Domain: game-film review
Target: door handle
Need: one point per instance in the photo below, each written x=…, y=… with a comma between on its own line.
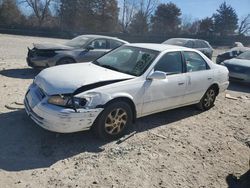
x=209, y=78
x=181, y=83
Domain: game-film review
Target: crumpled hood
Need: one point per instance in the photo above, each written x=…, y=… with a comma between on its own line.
x=51, y=46
x=65, y=79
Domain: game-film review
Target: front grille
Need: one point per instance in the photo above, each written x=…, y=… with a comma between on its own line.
x=31, y=112
x=39, y=93
x=45, y=53
x=41, y=53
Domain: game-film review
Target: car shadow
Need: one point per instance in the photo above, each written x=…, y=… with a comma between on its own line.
x=163, y=118
x=242, y=182
x=25, y=73
x=239, y=86
x=24, y=145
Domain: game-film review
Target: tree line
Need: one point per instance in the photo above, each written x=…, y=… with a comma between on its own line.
x=139, y=17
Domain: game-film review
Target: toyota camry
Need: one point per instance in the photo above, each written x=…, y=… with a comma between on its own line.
x=132, y=81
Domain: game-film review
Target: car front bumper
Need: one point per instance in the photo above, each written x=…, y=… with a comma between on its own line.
x=58, y=119
x=40, y=62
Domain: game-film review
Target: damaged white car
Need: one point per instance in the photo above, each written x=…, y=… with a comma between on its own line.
x=131, y=81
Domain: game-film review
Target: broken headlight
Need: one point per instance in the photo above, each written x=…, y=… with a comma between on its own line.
x=67, y=101
x=59, y=100
x=88, y=100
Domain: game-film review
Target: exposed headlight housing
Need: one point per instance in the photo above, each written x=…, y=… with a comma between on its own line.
x=88, y=100
x=59, y=100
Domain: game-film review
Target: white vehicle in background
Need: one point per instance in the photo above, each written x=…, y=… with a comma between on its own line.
x=131, y=81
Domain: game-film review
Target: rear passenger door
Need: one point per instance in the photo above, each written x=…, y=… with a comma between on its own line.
x=199, y=76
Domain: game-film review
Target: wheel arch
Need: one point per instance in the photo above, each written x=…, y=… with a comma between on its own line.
x=66, y=57
x=217, y=88
x=126, y=99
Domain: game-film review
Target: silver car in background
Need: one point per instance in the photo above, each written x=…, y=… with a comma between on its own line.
x=198, y=44
x=83, y=48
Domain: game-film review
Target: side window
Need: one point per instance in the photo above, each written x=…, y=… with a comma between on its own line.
x=204, y=44
x=194, y=62
x=170, y=63
x=197, y=44
x=115, y=44
x=99, y=44
x=190, y=44
x=200, y=44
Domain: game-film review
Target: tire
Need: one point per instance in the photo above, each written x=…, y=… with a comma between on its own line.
x=114, y=121
x=65, y=60
x=208, y=99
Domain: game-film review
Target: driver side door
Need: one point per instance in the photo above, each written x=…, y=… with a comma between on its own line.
x=99, y=47
x=163, y=94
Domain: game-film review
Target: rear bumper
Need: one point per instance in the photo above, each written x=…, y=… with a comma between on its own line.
x=224, y=86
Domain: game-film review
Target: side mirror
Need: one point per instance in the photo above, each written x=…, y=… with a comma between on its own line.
x=157, y=75
x=89, y=48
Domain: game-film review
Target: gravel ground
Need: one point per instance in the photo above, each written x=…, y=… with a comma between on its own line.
x=177, y=148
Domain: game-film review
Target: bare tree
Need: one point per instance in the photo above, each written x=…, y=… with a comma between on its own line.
x=186, y=23
x=148, y=7
x=244, y=27
x=40, y=8
x=130, y=8
x=128, y=12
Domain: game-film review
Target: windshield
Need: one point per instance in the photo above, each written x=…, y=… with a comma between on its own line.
x=178, y=42
x=127, y=59
x=245, y=55
x=78, y=42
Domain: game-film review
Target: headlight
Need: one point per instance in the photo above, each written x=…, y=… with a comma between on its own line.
x=88, y=100
x=59, y=100
x=67, y=101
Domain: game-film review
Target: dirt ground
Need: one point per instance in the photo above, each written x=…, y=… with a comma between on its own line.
x=178, y=148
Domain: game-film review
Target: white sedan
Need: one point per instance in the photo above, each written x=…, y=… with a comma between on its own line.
x=131, y=81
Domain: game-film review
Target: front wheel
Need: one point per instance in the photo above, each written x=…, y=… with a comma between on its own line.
x=208, y=99
x=114, y=121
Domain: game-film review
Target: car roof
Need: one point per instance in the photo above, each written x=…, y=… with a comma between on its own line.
x=103, y=36
x=187, y=39
x=158, y=47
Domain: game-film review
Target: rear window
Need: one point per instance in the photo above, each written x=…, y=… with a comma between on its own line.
x=194, y=62
x=115, y=44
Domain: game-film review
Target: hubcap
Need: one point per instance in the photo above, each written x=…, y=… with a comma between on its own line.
x=116, y=121
x=209, y=99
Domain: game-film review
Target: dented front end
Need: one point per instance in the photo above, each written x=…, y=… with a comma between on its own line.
x=56, y=118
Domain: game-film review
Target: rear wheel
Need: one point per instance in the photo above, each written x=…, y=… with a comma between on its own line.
x=114, y=121
x=208, y=99
x=66, y=60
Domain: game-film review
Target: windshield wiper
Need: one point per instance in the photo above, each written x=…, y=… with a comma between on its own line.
x=95, y=62
x=110, y=67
